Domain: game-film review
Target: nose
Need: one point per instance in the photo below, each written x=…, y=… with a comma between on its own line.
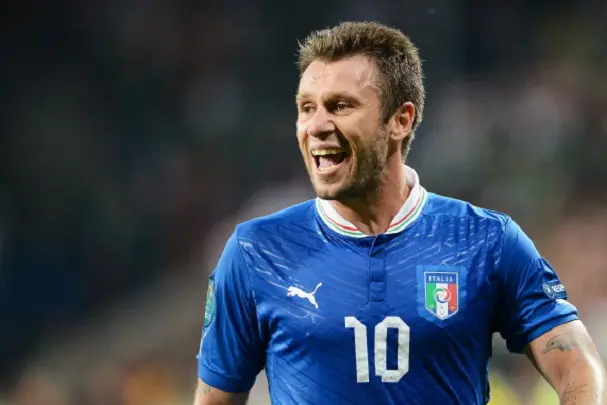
x=320, y=124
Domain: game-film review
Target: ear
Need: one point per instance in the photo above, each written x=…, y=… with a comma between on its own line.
x=401, y=122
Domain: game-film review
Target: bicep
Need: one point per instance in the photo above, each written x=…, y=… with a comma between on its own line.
x=207, y=395
x=232, y=351
x=559, y=350
x=533, y=300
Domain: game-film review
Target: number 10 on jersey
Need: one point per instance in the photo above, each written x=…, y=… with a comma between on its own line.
x=361, y=352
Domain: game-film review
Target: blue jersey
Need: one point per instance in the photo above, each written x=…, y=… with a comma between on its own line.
x=406, y=317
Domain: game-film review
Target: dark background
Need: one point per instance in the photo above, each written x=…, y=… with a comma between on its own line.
x=136, y=133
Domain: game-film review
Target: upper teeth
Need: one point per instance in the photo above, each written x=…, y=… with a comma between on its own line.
x=322, y=152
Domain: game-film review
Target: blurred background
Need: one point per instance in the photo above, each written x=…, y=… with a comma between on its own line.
x=136, y=134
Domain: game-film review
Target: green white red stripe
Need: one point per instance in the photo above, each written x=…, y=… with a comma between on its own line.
x=409, y=212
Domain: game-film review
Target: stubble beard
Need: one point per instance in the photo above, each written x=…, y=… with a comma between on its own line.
x=369, y=164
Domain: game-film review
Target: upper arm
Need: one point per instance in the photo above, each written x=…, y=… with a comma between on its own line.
x=532, y=300
x=232, y=352
x=562, y=349
x=207, y=395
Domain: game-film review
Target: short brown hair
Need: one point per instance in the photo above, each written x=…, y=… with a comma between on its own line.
x=396, y=57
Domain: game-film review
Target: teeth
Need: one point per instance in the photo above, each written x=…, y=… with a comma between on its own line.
x=323, y=152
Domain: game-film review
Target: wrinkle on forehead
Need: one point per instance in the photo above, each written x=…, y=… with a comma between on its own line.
x=352, y=75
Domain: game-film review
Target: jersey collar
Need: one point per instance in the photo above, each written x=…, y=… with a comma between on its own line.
x=408, y=213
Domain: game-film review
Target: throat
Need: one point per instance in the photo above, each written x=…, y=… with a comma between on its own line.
x=368, y=219
x=373, y=212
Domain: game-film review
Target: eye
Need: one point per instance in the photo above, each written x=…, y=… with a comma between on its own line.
x=306, y=109
x=341, y=106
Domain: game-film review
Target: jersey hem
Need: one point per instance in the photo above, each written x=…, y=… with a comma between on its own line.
x=223, y=383
x=518, y=346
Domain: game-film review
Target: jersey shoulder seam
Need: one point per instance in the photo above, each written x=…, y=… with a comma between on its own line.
x=490, y=214
x=267, y=221
x=505, y=219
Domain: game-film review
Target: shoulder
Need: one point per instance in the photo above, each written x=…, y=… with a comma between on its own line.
x=267, y=240
x=261, y=234
x=452, y=208
x=462, y=219
x=509, y=246
x=288, y=220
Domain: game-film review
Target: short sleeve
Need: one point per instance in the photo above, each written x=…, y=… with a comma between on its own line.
x=532, y=299
x=232, y=352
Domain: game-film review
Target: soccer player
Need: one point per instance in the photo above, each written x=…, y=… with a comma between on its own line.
x=378, y=291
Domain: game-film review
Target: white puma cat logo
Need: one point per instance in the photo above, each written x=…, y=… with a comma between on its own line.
x=298, y=292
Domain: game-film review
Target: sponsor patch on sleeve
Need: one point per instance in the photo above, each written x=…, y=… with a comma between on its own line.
x=555, y=290
x=210, y=307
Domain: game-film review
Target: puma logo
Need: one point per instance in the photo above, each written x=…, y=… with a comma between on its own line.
x=298, y=292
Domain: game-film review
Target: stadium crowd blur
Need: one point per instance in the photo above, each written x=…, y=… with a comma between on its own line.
x=138, y=132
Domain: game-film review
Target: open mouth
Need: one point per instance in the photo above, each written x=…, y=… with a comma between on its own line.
x=328, y=159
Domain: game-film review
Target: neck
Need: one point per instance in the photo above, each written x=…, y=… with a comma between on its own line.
x=373, y=212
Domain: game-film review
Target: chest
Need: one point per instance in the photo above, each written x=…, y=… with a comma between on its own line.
x=431, y=294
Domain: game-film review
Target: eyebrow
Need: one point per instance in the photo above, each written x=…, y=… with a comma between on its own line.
x=332, y=95
x=299, y=97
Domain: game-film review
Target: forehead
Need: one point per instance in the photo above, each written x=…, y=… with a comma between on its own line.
x=355, y=75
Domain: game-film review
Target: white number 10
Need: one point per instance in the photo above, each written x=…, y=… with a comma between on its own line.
x=381, y=340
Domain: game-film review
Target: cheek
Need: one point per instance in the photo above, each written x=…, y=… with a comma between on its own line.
x=359, y=139
x=302, y=140
x=300, y=132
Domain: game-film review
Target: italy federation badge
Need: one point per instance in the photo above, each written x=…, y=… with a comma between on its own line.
x=442, y=293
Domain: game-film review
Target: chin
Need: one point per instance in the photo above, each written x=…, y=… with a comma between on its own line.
x=327, y=191
x=330, y=186
x=334, y=191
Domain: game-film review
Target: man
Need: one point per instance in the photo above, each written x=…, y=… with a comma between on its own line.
x=379, y=292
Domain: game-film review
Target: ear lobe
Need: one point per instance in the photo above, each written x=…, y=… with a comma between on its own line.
x=399, y=133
